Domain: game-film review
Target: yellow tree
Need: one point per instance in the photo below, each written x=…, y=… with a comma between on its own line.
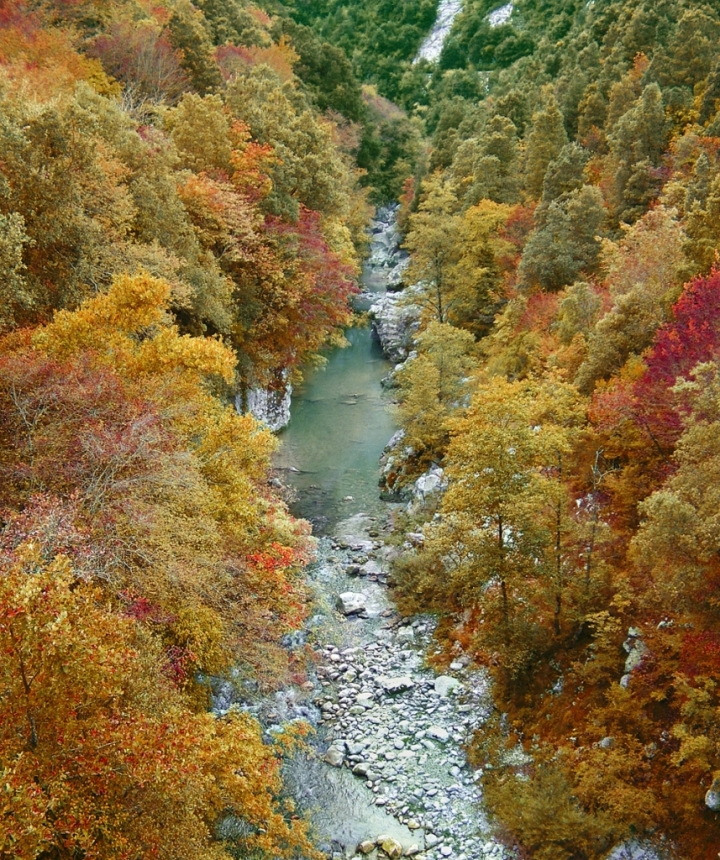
x=431, y=241
x=455, y=257
x=192, y=521
x=99, y=755
x=501, y=536
x=432, y=385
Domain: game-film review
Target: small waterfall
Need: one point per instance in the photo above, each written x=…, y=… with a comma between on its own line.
x=432, y=47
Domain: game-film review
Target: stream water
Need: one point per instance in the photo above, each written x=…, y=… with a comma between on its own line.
x=340, y=424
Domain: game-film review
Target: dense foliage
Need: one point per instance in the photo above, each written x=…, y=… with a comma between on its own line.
x=180, y=220
x=563, y=244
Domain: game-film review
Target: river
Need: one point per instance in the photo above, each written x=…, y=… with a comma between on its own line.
x=388, y=763
x=340, y=424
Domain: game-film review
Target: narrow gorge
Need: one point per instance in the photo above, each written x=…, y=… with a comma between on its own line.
x=389, y=771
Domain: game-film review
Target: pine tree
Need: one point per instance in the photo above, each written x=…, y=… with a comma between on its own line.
x=544, y=142
x=637, y=143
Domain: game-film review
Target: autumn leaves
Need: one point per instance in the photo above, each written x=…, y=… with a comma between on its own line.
x=144, y=549
x=178, y=223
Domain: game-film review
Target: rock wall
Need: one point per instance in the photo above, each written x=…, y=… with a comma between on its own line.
x=395, y=320
x=270, y=406
x=387, y=261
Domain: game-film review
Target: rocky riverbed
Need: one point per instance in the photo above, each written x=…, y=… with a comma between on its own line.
x=386, y=721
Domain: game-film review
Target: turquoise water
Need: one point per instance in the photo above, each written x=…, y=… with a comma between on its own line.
x=341, y=421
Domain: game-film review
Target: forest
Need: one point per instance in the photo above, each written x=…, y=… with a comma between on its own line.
x=181, y=221
x=184, y=190
x=563, y=230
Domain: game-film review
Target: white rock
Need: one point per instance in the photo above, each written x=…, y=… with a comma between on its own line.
x=271, y=406
x=351, y=602
x=634, y=850
x=500, y=16
x=444, y=685
x=405, y=635
x=397, y=684
x=712, y=797
x=439, y=734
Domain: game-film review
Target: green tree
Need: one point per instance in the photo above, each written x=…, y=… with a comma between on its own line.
x=578, y=311
x=189, y=35
x=637, y=144
x=703, y=226
x=544, y=142
x=568, y=242
x=308, y=169
x=487, y=166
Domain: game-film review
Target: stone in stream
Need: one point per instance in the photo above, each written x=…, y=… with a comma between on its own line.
x=351, y=602
x=391, y=847
x=405, y=635
x=438, y=733
x=366, y=846
x=334, y=756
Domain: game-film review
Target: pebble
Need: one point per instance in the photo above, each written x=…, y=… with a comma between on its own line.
x=396, y=725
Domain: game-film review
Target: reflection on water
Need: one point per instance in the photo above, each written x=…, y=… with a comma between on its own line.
x=340, y=424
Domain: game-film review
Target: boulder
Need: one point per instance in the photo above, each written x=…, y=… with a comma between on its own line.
x=635, y=649
x=712, y=797
x=405, y=635
x=395, y=319
x=351, y=602
x=444, y=685
x=391, y=847
x=439, y=734
x=397, y=684
x=271, y=406
x=366, y=847
x=633, y=849
x=334, y=756
x=427, y=484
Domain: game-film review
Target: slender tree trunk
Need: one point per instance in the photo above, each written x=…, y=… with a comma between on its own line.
x=503, y=584
x=591, y=546
x=559, y=584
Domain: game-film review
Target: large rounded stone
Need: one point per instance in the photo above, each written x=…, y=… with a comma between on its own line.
x=444, y=685
x=351, y=602
x=334, y=757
